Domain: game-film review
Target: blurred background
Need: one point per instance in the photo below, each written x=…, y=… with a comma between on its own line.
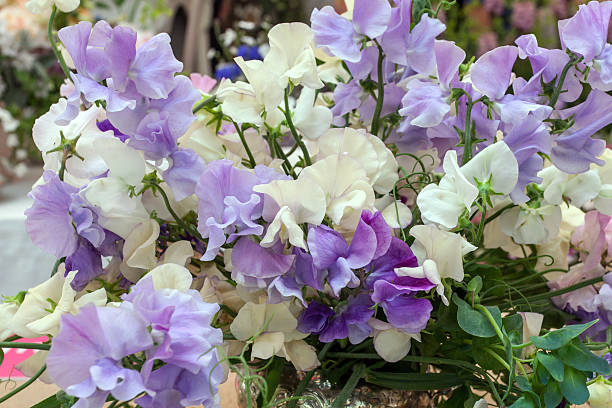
x=206, y=36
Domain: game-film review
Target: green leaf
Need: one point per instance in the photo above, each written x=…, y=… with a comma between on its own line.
x=560, y=337
x=474, y=322
x=475, y=285
x=523, y=402
x=574, y=387
x=552, y=364
x=577, y=355
x=552, y=396
x=51, y=402
x=513, y=323
x=457, y=398
x=523, y=383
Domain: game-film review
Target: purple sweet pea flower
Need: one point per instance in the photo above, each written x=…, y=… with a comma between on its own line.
x=183, y=175
x=397, y=255
x=227, y=204
x=254, y=265
x=350, y=320
x=491, y=73
x=85, y=356
x=153, y=136
x=586, y=32
x=48, y=221
x=347, y=97
x=87, y=261
x=341, y=37
x=331, y=252
x=574, y=150
x=106, y=125
x=526, y=139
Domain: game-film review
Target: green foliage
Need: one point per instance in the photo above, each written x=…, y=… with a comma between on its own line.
x=558, y=338
x=475, y=322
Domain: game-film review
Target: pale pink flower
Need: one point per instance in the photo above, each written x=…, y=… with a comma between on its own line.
x=202, y=82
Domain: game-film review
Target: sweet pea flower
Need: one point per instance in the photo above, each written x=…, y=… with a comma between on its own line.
x=600, y=394
x=346, y=187
x=444, y=203
x=310, y=119
x=491, y=75
x=586, y=33
x=527, y=225
x=33, y=317
x=40, y=6
x=574, y=150
x=82, y=131
x=603, y=201
x=377, y=160
x=274, y=329
x=204, y=83
x=390, y=343
x=593, y=238
x=440, y=254
x=341, y=37
x=287, y=204
x=291, y=55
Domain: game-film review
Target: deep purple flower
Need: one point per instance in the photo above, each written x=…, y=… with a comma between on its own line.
x=106, y=125
x=85, y=356
x=254, y=265
x=398, y=255
x=574, y=150
x=341, y=37
x=87, y=261
x=315, y=318
x=331, y=252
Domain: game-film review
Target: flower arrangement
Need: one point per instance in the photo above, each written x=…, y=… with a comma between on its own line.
x=413, y=220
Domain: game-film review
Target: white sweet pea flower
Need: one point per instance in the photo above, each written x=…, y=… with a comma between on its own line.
x=239, y=102
x=397, y=214
x=274, y=329
x=603, y=201
x=287, y=204
x=368, y=150
x=266, y=83
x=291, y=55
x=532, y=324
x=390, y=343
x=118, y=211
x=495, y=166
x=203, y=140
x=444, y=203
x=579, y=188
x=47, y=136
x=7, y=311
x=312, y=121
x=440, y=254
x=30, y=366
x=600, y=395
x=528, y=225
x=139, y=247
x=481, y=403
x=171, y=276
x=42, y=6
x=331, y=70
x=33, y=318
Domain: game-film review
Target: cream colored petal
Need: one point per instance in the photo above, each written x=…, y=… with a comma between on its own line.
x=139, y=247
x=249, y=321
x=267, y=345
x=30, y=366
x=178, y=253
x=171, y=276
x=392, y=345
x=302, y=355
x=397, y=215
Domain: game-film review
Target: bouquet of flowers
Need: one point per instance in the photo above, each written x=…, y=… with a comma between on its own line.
x=369, y=208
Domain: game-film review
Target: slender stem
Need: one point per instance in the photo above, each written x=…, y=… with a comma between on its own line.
x=56, y=50
x=498, y=213
x=467, y=135
x=559, y=292
x=350, y=385
x=380, y=92
x=306, y=380
x=497, y=357
x=294, y=132
x=19, y=345
x=12, y=338
x=572, y=61
x=178, y=219
x=245, y=144
x=281, y=153
x=491, y=320
x=24, y=385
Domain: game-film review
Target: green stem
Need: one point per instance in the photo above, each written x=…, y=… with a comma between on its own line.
x=56, y=50
x=350, y=385
x=294, y=132
x=206, y=102
x=380, y=92
x=12, y=338
x=56, y=265
x=178, y=219
x=497, y=357
x=467, y=134
x=19, y=345
x=498, y=213
x=489, y=316
x=244, y=143
x=24, y=385
x=557, y=292
x=306, y=380
x=281, y=153
x=572, y=61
